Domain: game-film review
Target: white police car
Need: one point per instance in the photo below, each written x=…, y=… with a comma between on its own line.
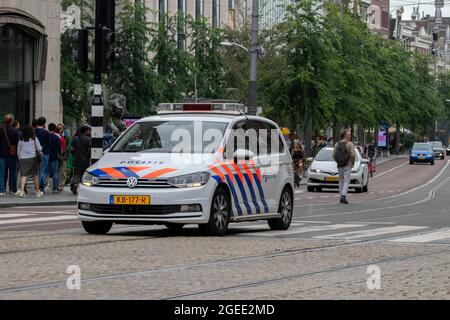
x=204, y=163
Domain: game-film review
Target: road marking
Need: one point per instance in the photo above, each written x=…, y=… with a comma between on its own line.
x=46, y=219
x=430, y=196
x=427, y=237
x=388, y=197
x=303, y=230
x=372, y=222
x=257, y=226
x=13, y=215
x=369, y=233
x=389, y=171
x=310, y=221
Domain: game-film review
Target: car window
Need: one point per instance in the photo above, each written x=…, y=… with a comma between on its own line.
x=422, y=147
x=265, y=139
x=436, y=144
x=325, y=155
x=170, y=136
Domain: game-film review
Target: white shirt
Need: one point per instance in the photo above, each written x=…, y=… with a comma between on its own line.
x=27, y=149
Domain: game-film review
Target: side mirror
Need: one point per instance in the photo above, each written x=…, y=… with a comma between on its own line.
x=243, y=154
x=309, y=160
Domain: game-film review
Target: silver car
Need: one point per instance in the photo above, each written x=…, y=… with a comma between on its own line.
x=323, y=172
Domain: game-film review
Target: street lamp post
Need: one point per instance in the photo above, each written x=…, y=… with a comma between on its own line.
x=252, y=85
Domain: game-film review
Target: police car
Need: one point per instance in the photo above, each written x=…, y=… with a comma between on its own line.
x=194, y=163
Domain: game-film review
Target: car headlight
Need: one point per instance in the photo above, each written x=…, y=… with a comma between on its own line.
x=315, y=170
x=190, y=180
x=355, y=170
x=89, y=180
x=413, y=155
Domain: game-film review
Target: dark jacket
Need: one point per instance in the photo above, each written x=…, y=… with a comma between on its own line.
x=13, y=136
x=54, y=147
x=43, y=136
x=81, y=148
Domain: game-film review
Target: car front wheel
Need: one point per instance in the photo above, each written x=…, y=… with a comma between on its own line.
x=219, y=216
x=97, y=227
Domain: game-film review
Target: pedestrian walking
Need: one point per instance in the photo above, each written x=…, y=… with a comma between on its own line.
x=29, y=152
x=43, y=136
x=81, y=151
x=344, y=154
x=63, y=140
x=54, y=156
x=9, y=138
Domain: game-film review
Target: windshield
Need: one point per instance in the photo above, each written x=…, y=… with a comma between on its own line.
x=172, y=136
x=436, y=144
x=422, y=147
x=325, y=155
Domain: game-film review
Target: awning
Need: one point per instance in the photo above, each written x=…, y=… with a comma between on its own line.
x=33, y=27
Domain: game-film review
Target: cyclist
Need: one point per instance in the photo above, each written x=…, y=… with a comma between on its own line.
x=298, y=155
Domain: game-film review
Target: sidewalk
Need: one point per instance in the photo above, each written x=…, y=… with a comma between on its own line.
x=65, y=198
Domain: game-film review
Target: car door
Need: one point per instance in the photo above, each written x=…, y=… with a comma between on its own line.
x=272, y=163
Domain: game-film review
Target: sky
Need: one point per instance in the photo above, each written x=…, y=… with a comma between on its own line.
x=427, y=6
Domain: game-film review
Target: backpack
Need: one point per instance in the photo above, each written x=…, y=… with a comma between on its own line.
x=342, y=155
x=371, y=152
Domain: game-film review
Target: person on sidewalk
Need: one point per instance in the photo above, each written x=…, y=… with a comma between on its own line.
x=43, y=136
x=54, y=152
x=9, y=138
x=81, y=150
x=344, y=154
x=63, y=140
x=29, y=153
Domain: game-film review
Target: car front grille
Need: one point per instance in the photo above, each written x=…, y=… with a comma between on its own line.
x=142, y=183
x=135, y=210
x=323, y=181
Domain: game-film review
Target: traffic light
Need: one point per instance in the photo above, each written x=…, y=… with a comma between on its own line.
x=109, y=53
x=81, y=51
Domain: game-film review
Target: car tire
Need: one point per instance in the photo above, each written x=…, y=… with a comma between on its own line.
x=442, y=158
x=311, y=189
x=219, y=216
x=174, y=226
x=286, y=208
x=432, y=163
x=359, y=190
x=97, y=227
x=411, y=162
x=366, y=187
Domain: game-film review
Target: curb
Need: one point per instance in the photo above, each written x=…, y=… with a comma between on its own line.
x=36, y=204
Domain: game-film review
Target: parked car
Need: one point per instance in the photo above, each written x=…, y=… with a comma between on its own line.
x=323, y=172
x=438, y=149
x=421, y=152
x=448, y=150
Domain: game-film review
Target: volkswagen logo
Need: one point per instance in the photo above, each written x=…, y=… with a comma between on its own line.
x=132, y=182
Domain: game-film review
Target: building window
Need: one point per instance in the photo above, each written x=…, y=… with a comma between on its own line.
x=230, y=4
x=163, y=8
x=17, y=50
x=216, y=13
x=182, y=24
x=199, y=9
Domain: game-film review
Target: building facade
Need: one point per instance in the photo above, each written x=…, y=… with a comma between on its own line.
x=272, y=12
x=30, y=59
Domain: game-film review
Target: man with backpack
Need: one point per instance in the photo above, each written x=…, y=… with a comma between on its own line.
x=344, y=154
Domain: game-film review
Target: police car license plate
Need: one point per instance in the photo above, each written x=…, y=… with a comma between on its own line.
x=332, y=179
x=421, y=158
x=130, y=200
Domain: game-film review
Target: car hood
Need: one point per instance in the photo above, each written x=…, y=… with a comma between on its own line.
x=329, y=166
x=150, y=165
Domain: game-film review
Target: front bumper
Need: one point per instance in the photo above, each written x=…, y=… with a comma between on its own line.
x=427, y=158
x=318, y=180
x=163, y=207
